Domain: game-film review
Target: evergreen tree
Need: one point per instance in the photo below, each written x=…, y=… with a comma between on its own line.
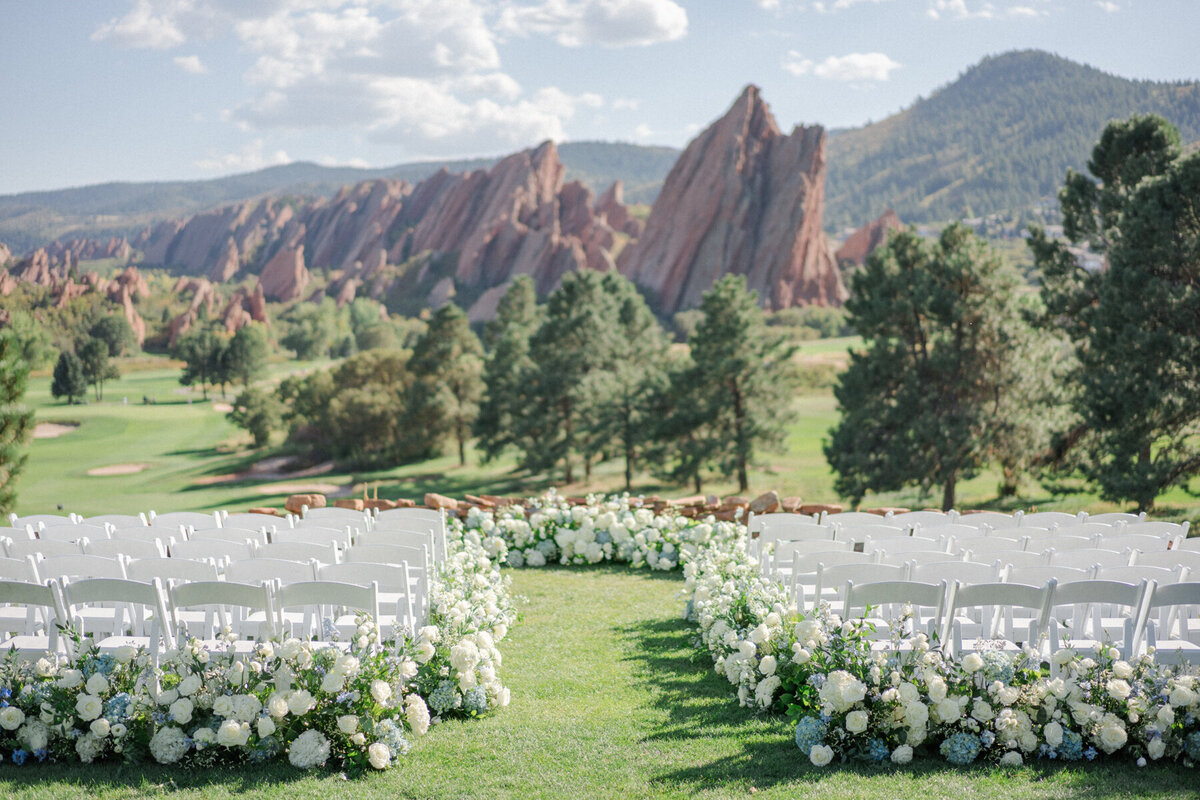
x=248, y=351
x=204, y=353
x=69, y=380
x=920, y=405
x=97, y=368
x=1133, y=324
x=16, y=419
x=508, y=370
x=447, y=363
x=735, y=399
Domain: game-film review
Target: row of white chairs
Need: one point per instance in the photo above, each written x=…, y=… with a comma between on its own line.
x=1083, y=616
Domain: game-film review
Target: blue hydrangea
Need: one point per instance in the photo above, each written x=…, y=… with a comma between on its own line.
x=444, y=698
x=810, y=731
x=264, y=751
x=475, y=701
x=41, y=754
x=987, y=738
x=997, y=666
x=1090, y=754
x=878, y=750
x=548, y=548
x=1071, y=748
x=104, y=664
x=603, y=537
x=1191, y=745
x=392, y=735
x=19, y=756
x=117, y=706
x=516, y=558
x=961, y=748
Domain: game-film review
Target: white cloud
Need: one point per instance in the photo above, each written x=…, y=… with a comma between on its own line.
x=624, y=104
x=611, y=23
x=191, y=64
x=250, y=157
x=1108, y=7
x=840, y=5
x=958, y=9
x=142, y=27
x=332, y=161
x=643, y=131
x=852, y=67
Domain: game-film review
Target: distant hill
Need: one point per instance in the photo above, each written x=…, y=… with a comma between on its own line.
x=998, y=138
x=31, y=219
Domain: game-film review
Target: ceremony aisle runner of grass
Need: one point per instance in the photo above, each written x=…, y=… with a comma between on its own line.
x=608, y=702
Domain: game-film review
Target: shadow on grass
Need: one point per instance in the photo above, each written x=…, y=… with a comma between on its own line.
x=698, y=704
x=154, y=778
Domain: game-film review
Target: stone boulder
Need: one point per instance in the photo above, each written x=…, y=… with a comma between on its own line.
x=867, y=239
x=295, y=503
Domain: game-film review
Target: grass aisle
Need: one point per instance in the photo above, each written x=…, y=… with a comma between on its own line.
x=608, y=703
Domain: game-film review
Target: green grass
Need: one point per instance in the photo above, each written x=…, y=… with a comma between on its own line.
x=187, y=445
x=610, y=700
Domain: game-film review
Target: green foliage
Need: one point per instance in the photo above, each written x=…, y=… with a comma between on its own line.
x=447, y=364
x=811, y=322
x=731, y=402
x=248, y=353
x=312, y=329
x=922, y=404
x=995, y=139
x=684, y=323
x=204, y=352
x=31, y=338
x=114, y=330
x=509, y=370
x=69, y=380
x=1134, y=324
x=16, y=418
x=259, y=412
x=97, y=368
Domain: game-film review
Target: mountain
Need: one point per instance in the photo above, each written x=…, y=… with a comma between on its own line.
x=998, y=138
x=32, y=219
x=743, y=198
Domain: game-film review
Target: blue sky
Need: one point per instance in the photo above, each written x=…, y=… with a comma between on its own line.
x=174, y=89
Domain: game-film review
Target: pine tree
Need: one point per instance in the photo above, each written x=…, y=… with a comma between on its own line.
x=16, y=419
x=920, y=405
x=735, y=399
x=69, y=380
x=249, y=349
x=447, y=363
x=508, y=370
x=1133, y=325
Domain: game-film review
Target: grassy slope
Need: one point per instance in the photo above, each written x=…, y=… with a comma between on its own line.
x=609, y=701
x=187, y=444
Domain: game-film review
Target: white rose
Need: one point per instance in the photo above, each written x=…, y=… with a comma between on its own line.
x=277, y=706
x=97, y=684
x=347, y=723
x=1155, y=748
x=125, y=653
x=1008, y=695
x=291, y=648
x=937, y=690
x=167, y=697
x=1011, y=759
x=181, y=711
x=100, y=728
x=1122, y=669
x=1118, y=688
x=379, y=756
x=88, y=707
x=266, y=726
x=233, y=733
x=189, y=685
x=223, y=705
x=381, y=691
x=118, y=730
x=972, y=662
x=800, y=655
x=949, y=710
x=856, y=721
x=1182, y=696
x=11, y=718
x=204, y=736
x=1053, y=733
x=982, y=712
x=332, y=682
x=902, y=754
x=299, y=702
x=909, y=693
x=1165, y=716
x=916, y=714
x=767, y=665
x=820, y=755
x=70, y=678
x=1112, y=734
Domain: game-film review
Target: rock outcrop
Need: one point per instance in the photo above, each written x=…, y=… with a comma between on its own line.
x=245, y=306
x=867, y=239
x=285, y=276
x=227, y=263
x=742, y=198
x=5, y=254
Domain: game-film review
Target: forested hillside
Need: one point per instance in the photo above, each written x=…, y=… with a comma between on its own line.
x=998, y=138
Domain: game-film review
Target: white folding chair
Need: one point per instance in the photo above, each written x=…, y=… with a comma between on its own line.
x=804, y=572
x=265, y=570
x=20, y=534
x=403, y=593
x=188, y=519
x=324, y=603
x=917, y=557
x=965, y=572
x=147, y=534
x=335, y=517
x=387, y=554
x=1171, y=628
x=300, y=551
x=860, y=533
x=927, y=519
x=903, y=544
x=247, y=610
x=989, y=519
x=1060, y=543
x=882, y=604
x=40, y=520
x=254, y=522
x=993, y=604
x=259, y=537
x=792, y=526
x=32, y=629
x=171, y=569
x=1036, y=576
x=1134, y=541
x=1088, y=558
x=1169, y=559
x=424, y=520
x=116, y=520
x=1164, y=530
x=831, y=580
x=216, y=549
x=778, y=562
x=1113, y=517
x=19, y=569
x=19, y=548
x=130, y=548
x=314, y=534
x=1051, y=519
x=134, y=613
x=394, y=536
x=1139, y=572
x=1089, y=615
x=1022, y=559
x=72, y=533
x=78, y=566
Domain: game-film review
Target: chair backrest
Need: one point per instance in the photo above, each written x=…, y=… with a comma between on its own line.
x=336, y=516
x=188, y=519
x=146, y=534
x=72, y=533
x=836, y=577
x=917, y=557
x=116, y=520
x=1169, y=600
x=253, y=521
x=860, y=533
x=787, y=548
x=1060, y=543
x=228, y=535
x=81, y=566
x=1165, y=530
x=1192, y=544
x=1021, y=559
x=1083, y=606
x=1113, y=517
x=315, y=534
x=226, y=604
x=1036, y=576
x=996, y=603
x=131, y=548
x=417, y=519
x=808, y=562
x=888, y=599
x=1091, y=529
x=324, y=600
x=959, y=531
x=965, y=572
x=44, y=611
x=1139, y=572
x=393, y=537
x=902, y=544
x=265, y=570
x=385, y=554
x=1047, y=519
x=1086, y=558
x=299, y=551
x=217, y=549
x=171, y=569
x=40, y=520
x=19, y=569
x=120, y=593
x=1169, y=559
x=408, y=588
x=19, y=548
x=860, y=518
x=1135, y=541
x=991, y=545
x=926, y=519
x=792, y=526
x=992, y=519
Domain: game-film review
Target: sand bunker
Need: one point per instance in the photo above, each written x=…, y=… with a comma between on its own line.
x=224, y=408
x=52, y=430
x=301, y=488
x=118, y=469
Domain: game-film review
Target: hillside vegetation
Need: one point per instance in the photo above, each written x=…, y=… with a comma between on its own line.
x=999, y=138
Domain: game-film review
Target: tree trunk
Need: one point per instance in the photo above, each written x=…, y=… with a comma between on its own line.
x=462, y=446
x=628, y=468
x=948, y=492
x=587, y=468
x=740, y=445
x=696, y=478
x=568, y=472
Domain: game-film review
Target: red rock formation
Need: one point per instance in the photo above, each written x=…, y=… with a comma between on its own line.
x=133, y=317
x=866, y=239
x=742, y=198
x=285, y=276
x=612, y=205
x=5, y=254
x=227, y=263
x=132, y=280
x=245, y=306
